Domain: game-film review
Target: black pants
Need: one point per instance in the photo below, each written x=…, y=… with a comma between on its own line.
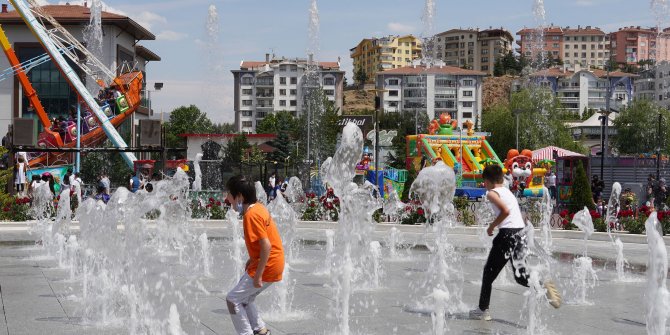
x=510, y=245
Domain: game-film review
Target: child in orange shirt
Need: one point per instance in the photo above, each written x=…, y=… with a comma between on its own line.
x=266, y=257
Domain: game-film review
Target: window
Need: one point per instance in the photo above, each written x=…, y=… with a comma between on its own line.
x=576, y=46
x=583, y=54
x=246, y=113
x=406, y=52
x=593, y=55
x=471, y=44
x=282, y=92
x=576, y=54
x=467, y=103
x=246, y=102
x=282, y=103
x=555, y=38
x=567, y=54
x=247, y=124
x=282, y=67
x=485, y=52
x=567, y=38
x=467, y=82
x=467, y=115
x=393, y=82
x=293, y=92
x=583, y=46
x=245, y=80
x=294, y=80
x=583, y=38
x=567, y=46
x=247, y=91
x=555, y=45
x=294, y=68
x=282, y=80
x=294, y=103
x=329, y=81
x=393, y=93
x=555, y=53
x=467, y=93
x=329, y=92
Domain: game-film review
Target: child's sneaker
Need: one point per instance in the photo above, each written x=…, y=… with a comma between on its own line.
x=263, y=331
x=480, y=315
x=552, y=294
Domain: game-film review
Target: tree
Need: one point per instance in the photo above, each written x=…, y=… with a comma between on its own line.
x=360, y=77
x=540, y=124
x=186, y=120
x=282, y=143
x=405, y=124
x=637, y=128
x=268, y=125
x=234, y=151
x=253, y=156
x=581, y=191
x=611, y=65
x=324, y=117
x=224, y=128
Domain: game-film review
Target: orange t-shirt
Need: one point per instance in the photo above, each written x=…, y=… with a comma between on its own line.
x=258, y=224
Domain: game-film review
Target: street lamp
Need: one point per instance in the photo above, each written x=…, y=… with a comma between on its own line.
x=516, y=113
x=377, y=108
x=659, y=145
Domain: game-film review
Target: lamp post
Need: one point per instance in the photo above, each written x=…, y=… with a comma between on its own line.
x=659, y=145
x=376, y=120
x=157, y=87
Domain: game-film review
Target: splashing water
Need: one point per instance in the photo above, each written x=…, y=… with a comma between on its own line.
x=393, y=206
x=197, y=181
x=355, y=225
x=261, y=196
x=287, y=223
x=435, y=187
x=375, y=254
x=236, y=251
x=93, y=39
x=546, y=211
x=584, y=276
x=612, y=207
x=313, y=29
x=427, y=34
x=657, y=272
x=214, y=62
x=584, y=222
x=394, y=241
x=204, y=250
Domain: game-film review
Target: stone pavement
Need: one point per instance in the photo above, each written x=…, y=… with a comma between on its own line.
x=38, y=297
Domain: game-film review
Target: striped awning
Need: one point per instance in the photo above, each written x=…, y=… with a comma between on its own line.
x=548, y=153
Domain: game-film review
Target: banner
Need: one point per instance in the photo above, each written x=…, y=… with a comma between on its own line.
x=362, y=121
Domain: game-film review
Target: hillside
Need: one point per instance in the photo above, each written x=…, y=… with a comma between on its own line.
x=496, y=90
x=358, y=100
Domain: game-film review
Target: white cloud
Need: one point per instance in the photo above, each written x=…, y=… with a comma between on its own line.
x=216, y=99
x=169, y=35
x=148, y=19
x=400, y=28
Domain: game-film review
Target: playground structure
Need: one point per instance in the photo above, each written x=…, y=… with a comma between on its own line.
x=467, y=153
x=98, y=119
x=387, y=179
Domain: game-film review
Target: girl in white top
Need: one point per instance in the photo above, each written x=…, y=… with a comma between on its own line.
x=509, y=245
x=20, y=174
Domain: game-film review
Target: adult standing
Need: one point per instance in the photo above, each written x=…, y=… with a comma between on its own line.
x=597, y=187
x=20, y=170
x=551, y=184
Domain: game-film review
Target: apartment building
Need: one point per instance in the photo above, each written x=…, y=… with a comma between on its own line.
x=471, y=48
x=586, y=46
x=390, y=52
x=654, y=84
x=630, y=45
x=582, y=89
x=279, y=84
x=529, y=41
x=435, y=90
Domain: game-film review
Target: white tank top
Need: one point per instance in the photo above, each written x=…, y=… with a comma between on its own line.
x=514, y=219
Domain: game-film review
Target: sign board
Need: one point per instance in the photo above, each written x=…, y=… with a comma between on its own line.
x=364, y=122
x=385, y=137
x=23, y=132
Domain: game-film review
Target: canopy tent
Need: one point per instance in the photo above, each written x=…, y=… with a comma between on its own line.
x=548, y=153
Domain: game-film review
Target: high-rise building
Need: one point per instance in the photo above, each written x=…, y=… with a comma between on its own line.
x=654, y=84
x=278, y=84
x=472, y=48
x=586, y=46
x=435, y=90
x=630, y=45
x=378, y=54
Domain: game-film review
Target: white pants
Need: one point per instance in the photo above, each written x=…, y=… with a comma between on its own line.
x=242, y=307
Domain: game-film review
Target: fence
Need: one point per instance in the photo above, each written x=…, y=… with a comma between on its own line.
x=628, y=170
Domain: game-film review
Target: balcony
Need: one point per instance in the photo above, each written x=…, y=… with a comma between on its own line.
x=265, y=82
x=568, y=99
x=265, y=95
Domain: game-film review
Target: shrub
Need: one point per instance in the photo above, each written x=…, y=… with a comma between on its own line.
x=581, y=191
x=664, y=219
x=413, y=214
x=635, y=225
x=15, y=208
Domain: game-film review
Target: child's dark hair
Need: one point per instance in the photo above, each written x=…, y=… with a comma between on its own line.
x=493, y=173
x=239, y=185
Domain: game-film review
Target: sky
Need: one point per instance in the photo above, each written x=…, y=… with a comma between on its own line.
x=196, y=61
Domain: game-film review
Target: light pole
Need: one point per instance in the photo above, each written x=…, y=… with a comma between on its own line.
x=516, y=113
x=377, y=108
x=659, y=146
x=157, y=87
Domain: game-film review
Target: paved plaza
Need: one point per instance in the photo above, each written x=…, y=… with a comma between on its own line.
x=39, y=298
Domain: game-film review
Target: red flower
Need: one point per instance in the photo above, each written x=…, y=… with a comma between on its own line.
x=329, y=205
x=420, y=211
x=6, y=209
x=211, y=200
x=311, y=204
x=336, y=201
x=564, y=213
x=408, y=208
x=218, y=203
x=572, y=216
x=595, y=214
x=209, y=206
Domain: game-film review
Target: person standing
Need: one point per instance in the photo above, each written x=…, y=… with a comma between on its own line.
x=551, y=184
x=508, y=245
x=597, y=187
x=266, y=257
x=20, y=170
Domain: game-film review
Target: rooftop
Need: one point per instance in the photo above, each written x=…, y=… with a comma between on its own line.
x=561, y=72
x=246, y=65
x=75, y=14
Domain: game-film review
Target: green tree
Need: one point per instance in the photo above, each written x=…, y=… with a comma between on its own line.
x=637, y=128
x=581, y=191
x=282, y=143
x=360, y=77
x=611, y=65
x=324, y=116
x=253, y=156
x=224, y=128
x=406, y=124
x=185, y=120
x=234, y=151
x=540, y=123
x=268, y=125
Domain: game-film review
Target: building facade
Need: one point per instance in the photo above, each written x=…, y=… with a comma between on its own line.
x=379, y=54
x=630, y=45
x=472, y=48
x=435, y=90
x=121, y=37
x=529, y=41
x=654, y=84
x=262, y=88
x=586, y=46
x=581, y=90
